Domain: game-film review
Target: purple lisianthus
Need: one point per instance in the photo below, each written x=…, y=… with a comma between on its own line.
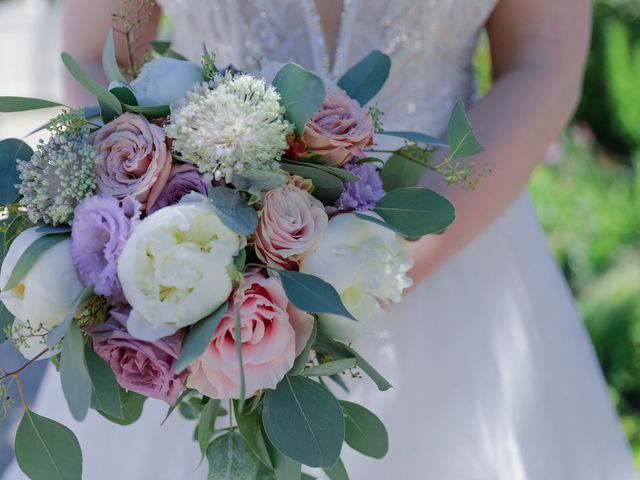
x=363, y=194
x=101, y=226
x=183, y=179
x=147, y=368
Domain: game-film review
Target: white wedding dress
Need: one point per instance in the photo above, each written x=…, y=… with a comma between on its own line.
x=494, y=375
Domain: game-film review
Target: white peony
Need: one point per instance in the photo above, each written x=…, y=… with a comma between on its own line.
x=174, y=268
x=47, y=293
x=163, y=81
x=367, y=264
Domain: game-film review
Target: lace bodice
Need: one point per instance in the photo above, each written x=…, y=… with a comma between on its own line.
x=431, y=44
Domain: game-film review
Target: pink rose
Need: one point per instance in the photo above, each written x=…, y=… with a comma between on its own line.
x=340, y=130
x=290, y=223
x=273, y=333
x=134, y=159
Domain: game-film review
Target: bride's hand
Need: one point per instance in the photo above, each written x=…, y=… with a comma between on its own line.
x=538, y=49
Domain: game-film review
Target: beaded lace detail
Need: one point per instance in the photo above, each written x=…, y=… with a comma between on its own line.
x=431, y=44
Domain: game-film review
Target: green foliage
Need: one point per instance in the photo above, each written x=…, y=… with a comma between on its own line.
x=11, y=150
x=612, y=68
x=231, y=459
x=364, y=80
x=364, y=432
x=47, y=450
x=105, y=394
x=198, y=337
x=328, y=187
x=233, y=210
x=301, y=94
x=74, y=373
x=304, y=421
x=312, y=294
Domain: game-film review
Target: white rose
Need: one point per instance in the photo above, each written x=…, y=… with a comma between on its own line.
x=48, y=291
x=163, y=81
x=367, y=264
x=173, y=268
x=31, y=341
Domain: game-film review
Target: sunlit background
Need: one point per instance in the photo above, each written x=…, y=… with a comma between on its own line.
x=587, y=193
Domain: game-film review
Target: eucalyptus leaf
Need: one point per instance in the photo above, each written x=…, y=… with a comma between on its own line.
x=30, y=256
x=303, y=358
x=11, y=150
x=109, y=104
x=398, y=172
x=284, y=467
x=462, y=140
x=416, y=137
x=18, y=225
x=415, y=211
x=364, y=432
x=198, y=337
x=364, y=80
x=233, y=210
x=312, y=294
x=329, y=368
x=231, y=459
x=328, y=187
x=110, y=62
x=105, y=390
x=370, y=160
x=6, y=320
x=337, y=472
x=304, y=421
x=132, y=404
x=50, y=229
x=47, y=450
x=250, y=426
x=341, y=173
x=301, y=94
x=207, y=424
x=125, y=95
x=152, y=112
x=60, y=331
x=23, y=104
x=182, y=396
x=160, y=47
x=257, y=181
x=74, y=374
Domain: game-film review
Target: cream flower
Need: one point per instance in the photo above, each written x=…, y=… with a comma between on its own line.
x=235, y=124
x=174, y=268
x=367, y=264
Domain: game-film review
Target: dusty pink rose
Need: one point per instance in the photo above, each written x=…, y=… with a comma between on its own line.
x=290, y=223
x=134, y=159
x=273, y=333
x=147, y=368
x=340, y=130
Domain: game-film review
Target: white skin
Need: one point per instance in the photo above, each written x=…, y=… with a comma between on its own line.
x=538, y=49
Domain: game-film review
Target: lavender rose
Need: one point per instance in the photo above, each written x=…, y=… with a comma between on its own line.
x=364, y=193
x=133, y=159
x=101, y=226
x=183, y=179
x=290, y=223
x=340, y=130
x=147, y=368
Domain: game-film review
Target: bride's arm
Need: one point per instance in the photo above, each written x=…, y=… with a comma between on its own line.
x=538, y=50
x=86, y=24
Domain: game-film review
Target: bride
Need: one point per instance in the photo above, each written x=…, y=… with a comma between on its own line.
x=494, y=375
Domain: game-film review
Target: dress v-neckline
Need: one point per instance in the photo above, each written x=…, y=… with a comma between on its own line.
x=329, y=61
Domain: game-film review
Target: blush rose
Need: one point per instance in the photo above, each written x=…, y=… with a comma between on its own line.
x=290, y=223
x=340, y=130
x=273, y=333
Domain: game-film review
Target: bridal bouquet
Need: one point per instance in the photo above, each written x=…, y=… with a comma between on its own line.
x=214, y=239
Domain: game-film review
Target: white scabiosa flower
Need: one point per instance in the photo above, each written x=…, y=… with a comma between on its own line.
x=234, y=124
x=367, y=264
x=60, y=174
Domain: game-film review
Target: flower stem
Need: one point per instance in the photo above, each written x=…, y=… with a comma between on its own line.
x=16, y=372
